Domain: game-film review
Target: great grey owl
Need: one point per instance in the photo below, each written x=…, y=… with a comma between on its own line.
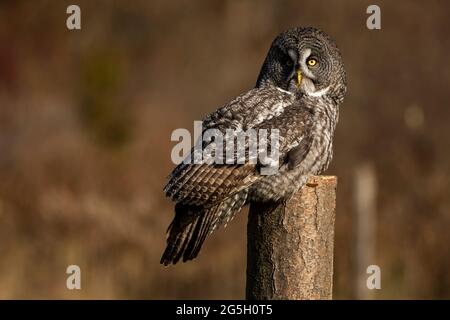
x=299, y=89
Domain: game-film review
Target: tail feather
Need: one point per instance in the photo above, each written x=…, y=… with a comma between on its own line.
x=192, y=224
x=173, y=244
x=182, y=248
x=204, y=232
x=187, y=232
x=197, y=235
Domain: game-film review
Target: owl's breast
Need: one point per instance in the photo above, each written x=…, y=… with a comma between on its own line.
x=316, y=160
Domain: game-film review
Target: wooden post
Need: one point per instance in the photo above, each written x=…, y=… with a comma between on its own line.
x=365, y=192
x=290, y=245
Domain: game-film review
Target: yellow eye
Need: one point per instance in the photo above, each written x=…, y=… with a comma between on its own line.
x=312, y=62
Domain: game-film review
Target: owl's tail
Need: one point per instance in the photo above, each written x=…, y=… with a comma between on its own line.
x=187, y=232
x=192, y=224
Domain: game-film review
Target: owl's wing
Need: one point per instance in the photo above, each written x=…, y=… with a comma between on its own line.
x=208, y=195
x=294, y=127
x=206, y=184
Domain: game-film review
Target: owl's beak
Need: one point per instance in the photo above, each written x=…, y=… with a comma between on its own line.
x=299, y=78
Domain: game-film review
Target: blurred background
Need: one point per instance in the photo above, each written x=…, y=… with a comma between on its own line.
x=85, y=124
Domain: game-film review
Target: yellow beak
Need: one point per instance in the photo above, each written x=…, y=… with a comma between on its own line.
x=299, y=78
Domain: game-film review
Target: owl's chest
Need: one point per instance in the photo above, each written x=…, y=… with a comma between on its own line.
x=315, y=161
x=322, y=147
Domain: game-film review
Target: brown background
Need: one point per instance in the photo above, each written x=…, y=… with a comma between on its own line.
x=86, y=118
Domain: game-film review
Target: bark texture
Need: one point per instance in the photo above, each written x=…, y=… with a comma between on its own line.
x=290, y=244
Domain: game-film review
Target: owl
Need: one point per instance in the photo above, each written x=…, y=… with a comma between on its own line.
x=298, y=91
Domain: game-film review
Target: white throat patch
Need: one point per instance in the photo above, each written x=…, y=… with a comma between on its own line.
x=318, y=93
x=284, y=91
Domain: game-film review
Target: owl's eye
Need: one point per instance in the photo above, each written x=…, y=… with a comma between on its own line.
x=312, y=62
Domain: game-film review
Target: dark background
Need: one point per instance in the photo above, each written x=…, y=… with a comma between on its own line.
x=86, y=118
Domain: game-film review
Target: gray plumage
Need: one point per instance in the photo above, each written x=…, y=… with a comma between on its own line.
x=299, y=89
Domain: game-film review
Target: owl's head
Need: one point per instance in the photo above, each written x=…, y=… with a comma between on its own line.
x=307, y=61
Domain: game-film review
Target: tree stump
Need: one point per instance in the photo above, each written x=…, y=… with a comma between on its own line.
x=290, y=244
